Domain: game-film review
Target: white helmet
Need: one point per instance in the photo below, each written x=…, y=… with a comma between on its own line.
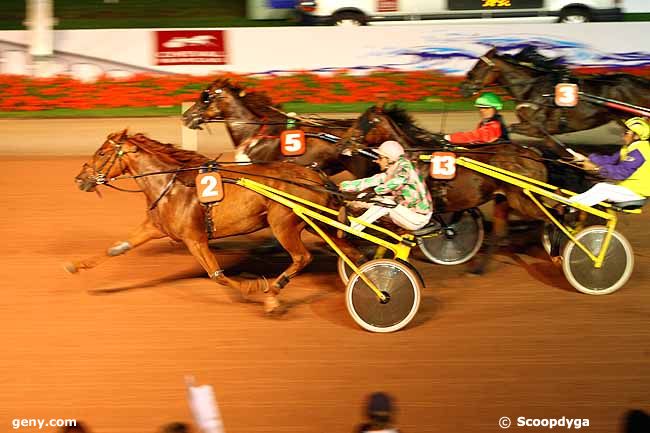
x=391, y=150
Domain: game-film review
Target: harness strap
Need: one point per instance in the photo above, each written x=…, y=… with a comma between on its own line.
x=164, y=192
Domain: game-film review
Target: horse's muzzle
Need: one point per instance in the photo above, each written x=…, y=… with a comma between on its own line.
x=86, y=184
x=468, y=89
x=192, y=121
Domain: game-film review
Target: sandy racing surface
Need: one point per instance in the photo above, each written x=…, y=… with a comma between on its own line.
x=111, y=346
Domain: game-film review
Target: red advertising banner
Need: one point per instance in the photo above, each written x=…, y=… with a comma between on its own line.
x=387, y=5
x=190, y=47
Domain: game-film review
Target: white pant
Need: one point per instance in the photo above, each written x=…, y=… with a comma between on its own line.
x=400, y=215
x=605, y=192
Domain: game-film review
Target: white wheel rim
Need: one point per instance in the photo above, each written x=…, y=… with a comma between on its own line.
x=477, y=246
x=348, y=23
x=625, y=275
x=414, y=283
x=575, y=19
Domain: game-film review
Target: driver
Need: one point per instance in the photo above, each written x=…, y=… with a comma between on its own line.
x=399, y=183
x=490, y=129
x=627, y=171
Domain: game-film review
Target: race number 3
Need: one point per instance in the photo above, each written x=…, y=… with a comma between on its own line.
x=566, y=95
x=209, y=187
x=443, y=165
x=292, y=142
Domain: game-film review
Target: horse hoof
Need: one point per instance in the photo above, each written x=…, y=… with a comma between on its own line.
x=70, y=268
x=271, y=305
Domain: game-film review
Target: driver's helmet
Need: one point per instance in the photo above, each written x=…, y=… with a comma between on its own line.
x=390, y=149
x=639, y=126
x=489, y=100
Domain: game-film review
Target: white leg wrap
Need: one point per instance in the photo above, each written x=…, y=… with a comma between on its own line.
x=120, y=248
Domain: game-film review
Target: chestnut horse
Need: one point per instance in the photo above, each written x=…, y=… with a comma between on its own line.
x=469, y=188
x=530, y=79
x=174, y=210
x=255, y=125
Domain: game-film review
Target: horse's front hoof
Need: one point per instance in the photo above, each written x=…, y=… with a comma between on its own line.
x=70, y=268
x=271, y=305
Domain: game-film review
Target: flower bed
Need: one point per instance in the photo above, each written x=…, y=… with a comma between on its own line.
x=33, y=94
x=22, y=93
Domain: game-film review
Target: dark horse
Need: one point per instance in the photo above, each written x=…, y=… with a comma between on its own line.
x=469, y=188
x=255, y=125
x=174, y=210
x=530, y=79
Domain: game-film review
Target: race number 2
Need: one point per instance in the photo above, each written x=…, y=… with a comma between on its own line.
x=292, y=142
x=209, y=187
x=443, y=165
x=566, y=95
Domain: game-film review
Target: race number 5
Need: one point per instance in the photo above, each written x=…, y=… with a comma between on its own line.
x=566, y=95
x=443, y=165
x=292, y=142
x=209, y=187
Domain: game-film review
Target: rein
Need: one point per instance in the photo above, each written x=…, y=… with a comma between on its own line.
x=225, y=170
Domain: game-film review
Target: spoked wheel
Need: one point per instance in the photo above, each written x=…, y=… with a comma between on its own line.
x=612, y=275
x=458, y=241
x=345, y=271
x=398, y=282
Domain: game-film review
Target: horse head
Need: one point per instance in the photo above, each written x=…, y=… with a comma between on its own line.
x=380, y=123
x=484, y=73
x=371, y=129
x=209, y=106
x=224, y=100
x=107, y=162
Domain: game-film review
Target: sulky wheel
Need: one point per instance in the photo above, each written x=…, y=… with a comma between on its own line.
x=457, y=241
x=612, y=275
x=374, y=253
x=398, y=282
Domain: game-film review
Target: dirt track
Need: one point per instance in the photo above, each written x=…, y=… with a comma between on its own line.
x=111, y=346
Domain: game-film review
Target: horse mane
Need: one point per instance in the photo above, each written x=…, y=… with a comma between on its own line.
x=406, y=124
x=529, y=56
x=168, y=152
x=258, y=102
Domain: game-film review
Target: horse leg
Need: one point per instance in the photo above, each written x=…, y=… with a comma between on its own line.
x=287, y=229
x=145, y=232
x=200, y=249
x=499, y=232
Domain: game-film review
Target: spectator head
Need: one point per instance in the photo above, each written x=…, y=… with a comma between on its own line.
x=636, y=421
x=79, y=427
x=175, y=427
x=380, y=408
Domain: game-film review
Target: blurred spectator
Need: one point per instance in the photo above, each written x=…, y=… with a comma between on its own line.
x=636, y=421
x=175, y=427
x=379, y=413
x=78, y=428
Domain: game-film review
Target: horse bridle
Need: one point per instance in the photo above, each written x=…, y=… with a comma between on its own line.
x=100, y=177
x=206, y=96
x=509, y=83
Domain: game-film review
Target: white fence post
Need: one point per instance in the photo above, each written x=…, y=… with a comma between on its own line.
x=189, y=137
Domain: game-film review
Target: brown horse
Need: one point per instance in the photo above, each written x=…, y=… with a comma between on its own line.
x=469, y=188
x=530, y=79
x=255, y=125
x=174, y=210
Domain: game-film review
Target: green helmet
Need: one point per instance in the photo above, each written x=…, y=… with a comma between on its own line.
x=489, y=100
